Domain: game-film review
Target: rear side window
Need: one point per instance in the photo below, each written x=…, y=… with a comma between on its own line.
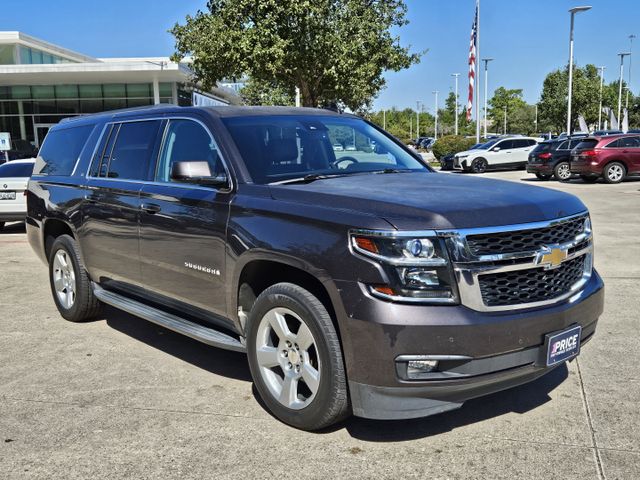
x=129, y=149
x=61, y=150
x=564, y=145
x=543, y=147
x=16, y=170
x=587, y=143
x=573, y=144
x=625, y=142
x=505, y=145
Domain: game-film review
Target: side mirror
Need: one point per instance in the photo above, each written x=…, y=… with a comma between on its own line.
x=197, y=173
x=379, y=149
x=495, y=149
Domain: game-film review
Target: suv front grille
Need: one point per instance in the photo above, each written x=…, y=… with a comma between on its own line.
x=526, y=240
x=530, y=285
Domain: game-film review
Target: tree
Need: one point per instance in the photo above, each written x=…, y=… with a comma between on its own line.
x=334, y=51
x=257, y=92
x=585, y=98
x=509, y=100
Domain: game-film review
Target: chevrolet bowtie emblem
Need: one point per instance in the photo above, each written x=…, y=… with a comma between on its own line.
x=552, y=257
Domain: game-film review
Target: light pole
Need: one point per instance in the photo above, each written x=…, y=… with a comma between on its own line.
x=435, y=128
x=621, y=55
x=631, y=37
x=418, y=119
x=573, y=12
x=600, y=107
x=535, y=121
x=486, y=77
x=456, y=75
x=505, y=120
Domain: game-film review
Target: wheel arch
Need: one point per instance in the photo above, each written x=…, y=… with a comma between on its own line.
x=259, y=270
x=52, y=229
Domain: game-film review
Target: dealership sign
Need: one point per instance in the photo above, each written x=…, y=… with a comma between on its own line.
x=5, y=141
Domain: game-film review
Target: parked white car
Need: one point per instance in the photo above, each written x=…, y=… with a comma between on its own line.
x=14, y=177
x=507, y=152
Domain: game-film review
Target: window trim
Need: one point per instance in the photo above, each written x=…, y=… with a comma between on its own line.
x=166, y=118
x=181, y=184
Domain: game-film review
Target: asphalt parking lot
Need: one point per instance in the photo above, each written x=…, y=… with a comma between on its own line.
x=122, y=398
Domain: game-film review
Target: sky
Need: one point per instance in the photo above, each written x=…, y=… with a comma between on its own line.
x=527, y=39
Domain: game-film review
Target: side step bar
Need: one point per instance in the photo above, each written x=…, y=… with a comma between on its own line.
x=167, y=320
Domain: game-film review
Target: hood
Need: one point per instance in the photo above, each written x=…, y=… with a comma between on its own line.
x=419, y=201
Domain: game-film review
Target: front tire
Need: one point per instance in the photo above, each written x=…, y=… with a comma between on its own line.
x=479, y=165
x=70, y=284
x=295, y=358
x=614, y=172
x=562, y=172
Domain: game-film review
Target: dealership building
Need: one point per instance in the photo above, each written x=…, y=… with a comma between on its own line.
x=41, y=83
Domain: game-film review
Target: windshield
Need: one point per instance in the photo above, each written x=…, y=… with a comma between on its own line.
x=488, y=145
x=285, y=147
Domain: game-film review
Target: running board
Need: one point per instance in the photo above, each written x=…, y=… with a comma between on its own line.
x=167, y=320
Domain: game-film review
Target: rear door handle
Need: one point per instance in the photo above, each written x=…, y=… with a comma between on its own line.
x=150, y=208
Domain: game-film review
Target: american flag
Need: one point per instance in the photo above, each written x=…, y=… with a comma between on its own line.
x=472, y=62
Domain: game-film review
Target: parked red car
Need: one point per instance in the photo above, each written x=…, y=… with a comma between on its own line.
x=611, y=157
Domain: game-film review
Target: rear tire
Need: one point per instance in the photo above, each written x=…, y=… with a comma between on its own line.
x=479, y=165
x=70, y=284
x=542, y=176
x=614, y=172
x=300, y=376
x=562, y=172
x=587, y=179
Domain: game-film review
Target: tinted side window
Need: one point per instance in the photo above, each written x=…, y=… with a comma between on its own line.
x=573, y=143
x=615, y=144
x=14, y=169
x=588, y=143
x=564, y=145
x=505, y=145
x=132, y=150
x=520, y=143
x=187, y=140
x=630, y=142
x=61, y=150
x=531, y=142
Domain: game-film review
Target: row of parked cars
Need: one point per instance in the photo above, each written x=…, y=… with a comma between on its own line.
x=611, y=157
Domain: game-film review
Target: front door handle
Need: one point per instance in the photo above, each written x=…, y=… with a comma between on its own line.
x=150, y=208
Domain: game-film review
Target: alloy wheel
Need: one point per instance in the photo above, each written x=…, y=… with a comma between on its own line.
x=64, y=279
x=288, y=358
x=615, y=173
x=563, y=171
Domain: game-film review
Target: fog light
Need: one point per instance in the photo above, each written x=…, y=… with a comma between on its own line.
x=420, y=278
x=417, y=368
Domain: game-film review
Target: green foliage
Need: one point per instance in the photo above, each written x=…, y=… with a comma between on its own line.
x=518, y=120
x=451, y=144
x=257, y=92
x=585, y=99
x=333, y=50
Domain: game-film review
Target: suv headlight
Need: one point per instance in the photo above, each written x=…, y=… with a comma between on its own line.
x=417, y=265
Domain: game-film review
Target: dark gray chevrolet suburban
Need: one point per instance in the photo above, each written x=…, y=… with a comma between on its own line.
x=356, y=278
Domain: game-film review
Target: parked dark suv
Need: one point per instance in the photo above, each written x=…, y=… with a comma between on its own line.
x=356, y=281
x=552, y=159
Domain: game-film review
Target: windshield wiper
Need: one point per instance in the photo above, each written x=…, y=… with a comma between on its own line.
x=312, y=177
x=392, y=170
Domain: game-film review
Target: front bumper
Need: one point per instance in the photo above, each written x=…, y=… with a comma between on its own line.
x=504, y=347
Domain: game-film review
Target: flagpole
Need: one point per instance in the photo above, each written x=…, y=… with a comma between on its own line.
x=477, y=77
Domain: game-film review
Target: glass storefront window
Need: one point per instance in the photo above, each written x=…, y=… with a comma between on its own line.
x=6, y=55
x=90, y=91
x=91, y=106
x=139, y=90
x=20, y=91
x=66, y=91
x=165, y=90
x=115, y=103
x=47, y=58
x=114, y=90
x=36, y=56
x=25, y=54
x=43, y=91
